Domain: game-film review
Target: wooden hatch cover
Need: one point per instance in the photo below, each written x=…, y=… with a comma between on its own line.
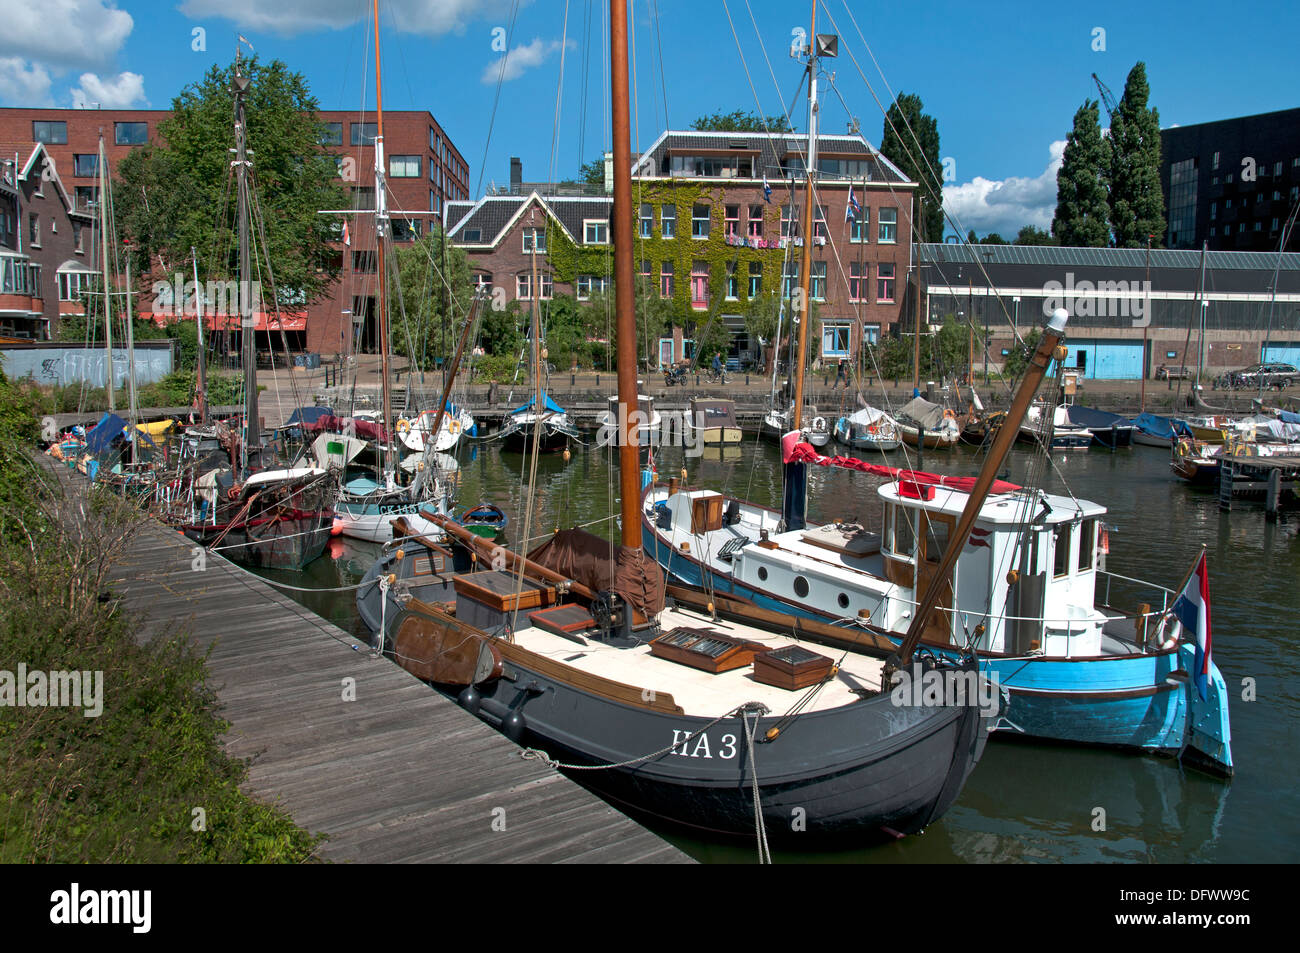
x=439, y=649
x=705, y=649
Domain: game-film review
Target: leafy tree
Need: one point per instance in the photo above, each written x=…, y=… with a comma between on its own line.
x=654, y=316
x=501, y=334
x=893, y=358
x=1032, y=235
x=1137, y=206
x=421, y=292
x=180, y=193
x=1082, y=209
x=740, y=120
x=593, y=172
x=992, y=238
x=1015, y=363
x=906, y=128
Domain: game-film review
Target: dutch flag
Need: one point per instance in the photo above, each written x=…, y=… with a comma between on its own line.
x=853, y=209
x=1192, y=610
x=767, y=189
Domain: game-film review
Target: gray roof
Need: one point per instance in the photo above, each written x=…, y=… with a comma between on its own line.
x=771, y=149
x=1161, y=258
x=491, y=214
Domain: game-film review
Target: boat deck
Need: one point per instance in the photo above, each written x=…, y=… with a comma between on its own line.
x=700, y=693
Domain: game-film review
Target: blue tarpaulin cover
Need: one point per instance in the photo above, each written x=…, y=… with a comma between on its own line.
x=1159, y=426
x=307, y=415
x=101, y=436
x=549, y=404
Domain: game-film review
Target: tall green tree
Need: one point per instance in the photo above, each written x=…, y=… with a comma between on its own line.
x=1082, y=209
x=910, y=140
x=1032, y=235
x=739, y=120
x=180, y=193
x=593, y=172
x=421, y=327
x=1137, y=206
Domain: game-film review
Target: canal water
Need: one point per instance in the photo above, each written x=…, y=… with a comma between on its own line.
x=1026, y=801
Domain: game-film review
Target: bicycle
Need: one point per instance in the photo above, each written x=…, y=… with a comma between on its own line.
x=719, y=378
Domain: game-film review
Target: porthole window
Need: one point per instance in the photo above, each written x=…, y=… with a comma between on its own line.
x=762, y=573
x=843, y=600
x=800, y=586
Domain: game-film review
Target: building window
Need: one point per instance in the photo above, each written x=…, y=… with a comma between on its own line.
x=666, y=280
x=78, y=245
x=858, y=281
x=755, y=279
x=84, y=197
x=733, y=283
x=364, y=262
x=871, y=334
x=363, y=198
x=472, y=236
x=789, y=221
x=717, y=167
x=331, y=134
x=885, y=282
x=732, y=221
x=85, y=166
x=364, y=133
x=72, y=284
x=818, y=289
x=435, y=141
x=483, y=283
x=819, y=223
x=789, y=278
x=755, y=221
x=644, y=275
x=34, y=229
x=647, y=219
x=50, y=132
x=835, y=340
x=595, y=231
x=524, y=285
x=700, y=221
x=860, y=227
x=888, y=220
x=668, y=221
x=1215, y=167
x=587, y=284
x=405, y=230
x=535, y=236
x=1214, y=210
x=130, y=133
x=699, y=284
x=404, y=167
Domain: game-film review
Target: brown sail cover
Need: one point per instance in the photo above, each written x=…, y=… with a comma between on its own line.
x=601, y=565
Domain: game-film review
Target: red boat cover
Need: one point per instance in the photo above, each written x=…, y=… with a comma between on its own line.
x=795, y=451
x=362, y=429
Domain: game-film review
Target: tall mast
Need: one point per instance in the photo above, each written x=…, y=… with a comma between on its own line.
x=247, y=336
x=132, y=408
x=804, y=307
x=381, y=234
x=624, y=304
x=108, y=287
x=1200, y=338
x=203, y=362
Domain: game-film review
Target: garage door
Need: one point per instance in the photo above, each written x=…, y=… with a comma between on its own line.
x=1106, y=360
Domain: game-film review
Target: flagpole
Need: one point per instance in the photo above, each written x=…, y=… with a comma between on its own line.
x=1182, y=586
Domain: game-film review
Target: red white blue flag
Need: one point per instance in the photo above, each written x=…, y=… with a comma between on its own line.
x=767, y=189
x=1192, y=609
x=853, y=209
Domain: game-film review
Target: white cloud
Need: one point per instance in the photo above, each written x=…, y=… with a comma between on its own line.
x=990, y=205
x=116, y=92
x=520, y=60
x=64, y=34
x=288, y=17
x=23, y=85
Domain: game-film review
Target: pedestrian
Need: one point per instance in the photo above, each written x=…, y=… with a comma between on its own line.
x=717, y=364
x=841, y=374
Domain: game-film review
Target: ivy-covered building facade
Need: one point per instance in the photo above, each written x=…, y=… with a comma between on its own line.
x=719, y=227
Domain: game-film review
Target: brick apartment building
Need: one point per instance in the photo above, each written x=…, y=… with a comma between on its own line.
x=425, y=170
x=713, y=238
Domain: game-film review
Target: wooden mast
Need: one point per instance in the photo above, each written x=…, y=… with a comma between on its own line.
x=108, y=287
x=381, y=235
x=803, y=307
x=1006, y=436
x=247, y=335
x=624, y=298
x=203, y=363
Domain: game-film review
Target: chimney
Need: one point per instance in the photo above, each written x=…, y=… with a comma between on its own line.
x=516, y=173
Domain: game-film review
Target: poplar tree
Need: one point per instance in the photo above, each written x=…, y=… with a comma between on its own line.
x=1082, y=211
x=910, y=140
x=1136, y=203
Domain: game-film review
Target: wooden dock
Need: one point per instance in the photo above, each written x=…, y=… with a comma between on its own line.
x=396, y=774
x=1277, y=479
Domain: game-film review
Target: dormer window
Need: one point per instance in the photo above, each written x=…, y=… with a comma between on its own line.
x=595, y=231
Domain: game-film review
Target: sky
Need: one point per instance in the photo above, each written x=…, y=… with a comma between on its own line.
x=1002, y=79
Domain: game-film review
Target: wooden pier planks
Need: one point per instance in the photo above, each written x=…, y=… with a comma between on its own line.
x=399, y=775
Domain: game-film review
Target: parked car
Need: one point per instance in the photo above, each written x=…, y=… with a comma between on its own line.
x=1266, y=375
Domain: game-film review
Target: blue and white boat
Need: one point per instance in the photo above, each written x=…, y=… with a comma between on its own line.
x=1156, y=431
x=1030, y=592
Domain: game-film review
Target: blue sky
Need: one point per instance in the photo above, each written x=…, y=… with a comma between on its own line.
x=1002, y=79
